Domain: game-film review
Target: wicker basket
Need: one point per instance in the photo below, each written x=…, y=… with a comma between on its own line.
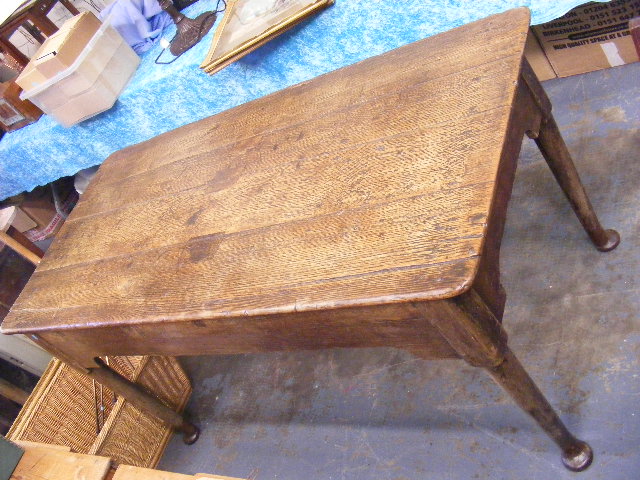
x=61, y=410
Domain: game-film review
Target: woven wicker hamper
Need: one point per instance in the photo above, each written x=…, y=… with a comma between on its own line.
x=61, y=410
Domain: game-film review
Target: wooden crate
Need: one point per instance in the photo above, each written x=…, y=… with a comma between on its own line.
x=61, y=410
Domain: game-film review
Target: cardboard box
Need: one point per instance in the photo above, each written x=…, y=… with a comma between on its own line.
x=104, y=91
x=590, y=37
x=92, y=83
x=537, y=59
x=59, y=51
x=15, y=217
x=41, y=210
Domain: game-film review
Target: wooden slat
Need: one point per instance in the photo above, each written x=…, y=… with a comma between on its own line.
x=27, y=445
x=371, y=185
x=49, y=464
x=128, y=472
x=293, y=191
x=229, y=268
x=19, y=248
x=425, y=105
x=443, y=54
x=423, y=282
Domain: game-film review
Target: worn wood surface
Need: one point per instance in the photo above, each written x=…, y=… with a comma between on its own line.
x=127, y=472
x=13, y=393
x=51, y=464
x=27, y=445
x=367, y=186
x=364, y=208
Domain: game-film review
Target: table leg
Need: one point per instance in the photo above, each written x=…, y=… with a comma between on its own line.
x=549, y=140
x=42, y=22
x=69, y=6
x=510, y=375
x=558, y=158
x=473, y=331
x=141, y=399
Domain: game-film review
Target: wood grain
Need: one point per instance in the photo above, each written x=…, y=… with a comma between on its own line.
x=27, y=445
x=365, y=187
x=493, y=38
x=393, y=168
x=50, y=464
x=128, y=472
x=358, y=256
x=400, y=325
x=429, y=104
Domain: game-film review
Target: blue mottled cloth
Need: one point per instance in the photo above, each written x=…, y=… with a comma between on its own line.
x=163, y=97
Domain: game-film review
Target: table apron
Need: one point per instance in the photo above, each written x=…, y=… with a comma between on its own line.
x=401, y=325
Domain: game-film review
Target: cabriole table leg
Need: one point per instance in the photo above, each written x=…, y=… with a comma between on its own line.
x=477, y=336
x=558, y=158
x=510, y=375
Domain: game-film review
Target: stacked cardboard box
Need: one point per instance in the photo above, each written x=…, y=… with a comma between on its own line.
x=79, y=71
x=590, y=37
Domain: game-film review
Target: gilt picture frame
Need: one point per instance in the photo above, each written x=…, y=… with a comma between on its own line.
x=249, y=24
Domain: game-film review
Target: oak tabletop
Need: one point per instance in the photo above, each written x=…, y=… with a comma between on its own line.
x=371, y=184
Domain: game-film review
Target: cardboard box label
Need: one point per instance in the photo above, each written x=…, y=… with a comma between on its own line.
x=590, y=37
x=590, y=23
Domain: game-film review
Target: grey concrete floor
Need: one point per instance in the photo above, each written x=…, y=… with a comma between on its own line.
x=573, y=317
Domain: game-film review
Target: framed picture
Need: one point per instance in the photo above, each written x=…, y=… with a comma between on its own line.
x=249, y=24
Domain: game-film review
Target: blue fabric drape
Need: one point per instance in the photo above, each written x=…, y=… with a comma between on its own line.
x=140, y=22
x=163, y=97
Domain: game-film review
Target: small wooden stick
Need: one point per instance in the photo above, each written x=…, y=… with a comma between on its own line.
x=19, y=248
x=12, y=392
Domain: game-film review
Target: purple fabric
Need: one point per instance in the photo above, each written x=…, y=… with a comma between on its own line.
x=140, y=22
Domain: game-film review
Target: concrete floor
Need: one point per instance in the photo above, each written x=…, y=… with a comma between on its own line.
x=573, y=319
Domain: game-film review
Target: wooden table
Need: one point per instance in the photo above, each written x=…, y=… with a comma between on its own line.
x=363, y=208
x=33, y=17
